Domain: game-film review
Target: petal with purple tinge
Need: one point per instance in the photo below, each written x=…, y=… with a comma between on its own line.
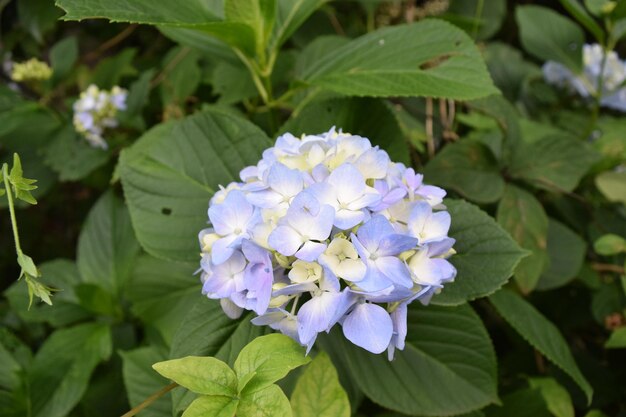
x=316, y=314
x=285, y=240
x=369, y=326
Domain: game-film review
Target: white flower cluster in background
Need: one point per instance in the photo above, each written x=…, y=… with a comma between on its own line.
x=96, y=110
x=587, y=83
x=31, y=70
x=326, y=230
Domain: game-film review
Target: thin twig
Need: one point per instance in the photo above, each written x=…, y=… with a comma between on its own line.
x=111, y=42
x=430, y=140
x=151, y=399
x=600, y=267
x=170, y=66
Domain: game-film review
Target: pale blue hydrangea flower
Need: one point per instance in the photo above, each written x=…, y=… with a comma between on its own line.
x=586, y=84
x=325, y=230
x=96, y=110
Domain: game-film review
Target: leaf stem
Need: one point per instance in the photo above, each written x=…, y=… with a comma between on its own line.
x=479, y=12
x=16, y=236
x=151, y=399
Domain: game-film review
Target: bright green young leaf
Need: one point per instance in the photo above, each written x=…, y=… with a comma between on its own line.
x=486, y=255
x=172, y=171
x=270, y=357
x=63, y=56
x=556, y=397
x=161, y=292
x=430, y=58
x=368, y=117
x=612, y=185
x=270, y=401
x=609, y=244
x=107, y=248
x=540, y=333
x=553, y=163
x=576, y=9
x=212, y=406
x=141, y=381
x=21, y=186
x=566, y=252
x=318, y=392
x=63, y=365
x=550, y=36
x=617, y=340
x=469, y=168
x=200, y=374
x=448, y=366
x=523, y=216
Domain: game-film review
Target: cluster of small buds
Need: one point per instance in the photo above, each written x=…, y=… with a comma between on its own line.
x=31, y=70
x=96, y=110
x=326, y=230
x=587, y=83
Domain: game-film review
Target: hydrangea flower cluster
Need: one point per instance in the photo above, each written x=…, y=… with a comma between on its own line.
x=586, y=84
x=96, y=110
x=326, y=230
x=31, y=70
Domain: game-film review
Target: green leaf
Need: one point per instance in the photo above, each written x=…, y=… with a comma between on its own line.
x=553, y=163
x=107, y=248
x=609, y=244
x=63, y=56
x=270, y=401
x=566, y=252
x=368, y=117
x=440, y=60
x=617, y=340
x=320, y=381
x=480, y=26
x=63, y=365
x=612, y=185
x=556, y=397
x=212, y=406
x=21, y=186
x=548, y=35
x=525, y=402
x=599, y=7
x=486, y=254
x=141, y=381
x=183, y=76
x=161, y=292
x=540, y=333
x=509, y=69
x=259, y=15
x=111, y=70
x=202, y=375
x=39, y=17
x=70, y=155
x=172, y=171
x=469, y=168
x=271, y=358
x=522, y=215
x=578, y=11
x=448, y=366
x=290, y=15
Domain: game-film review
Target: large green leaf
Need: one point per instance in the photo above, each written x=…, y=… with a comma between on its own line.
x=213, y=406
x=540, y=333
x=62, y=367
x=486, y=254
x=550, y=36
x=469, y=168
x=320, y=381
x=267, y=359
x=161, y=292
x=367, y=117
x=566, y=251
x=107, y=247
x=172, y=171
x=553, y=163
x=141, y=381
x=448, y=366
x=523, y=216
x=429, y=58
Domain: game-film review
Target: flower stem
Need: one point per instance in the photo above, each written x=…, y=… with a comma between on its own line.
x=16, y=236
x=151, y=399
